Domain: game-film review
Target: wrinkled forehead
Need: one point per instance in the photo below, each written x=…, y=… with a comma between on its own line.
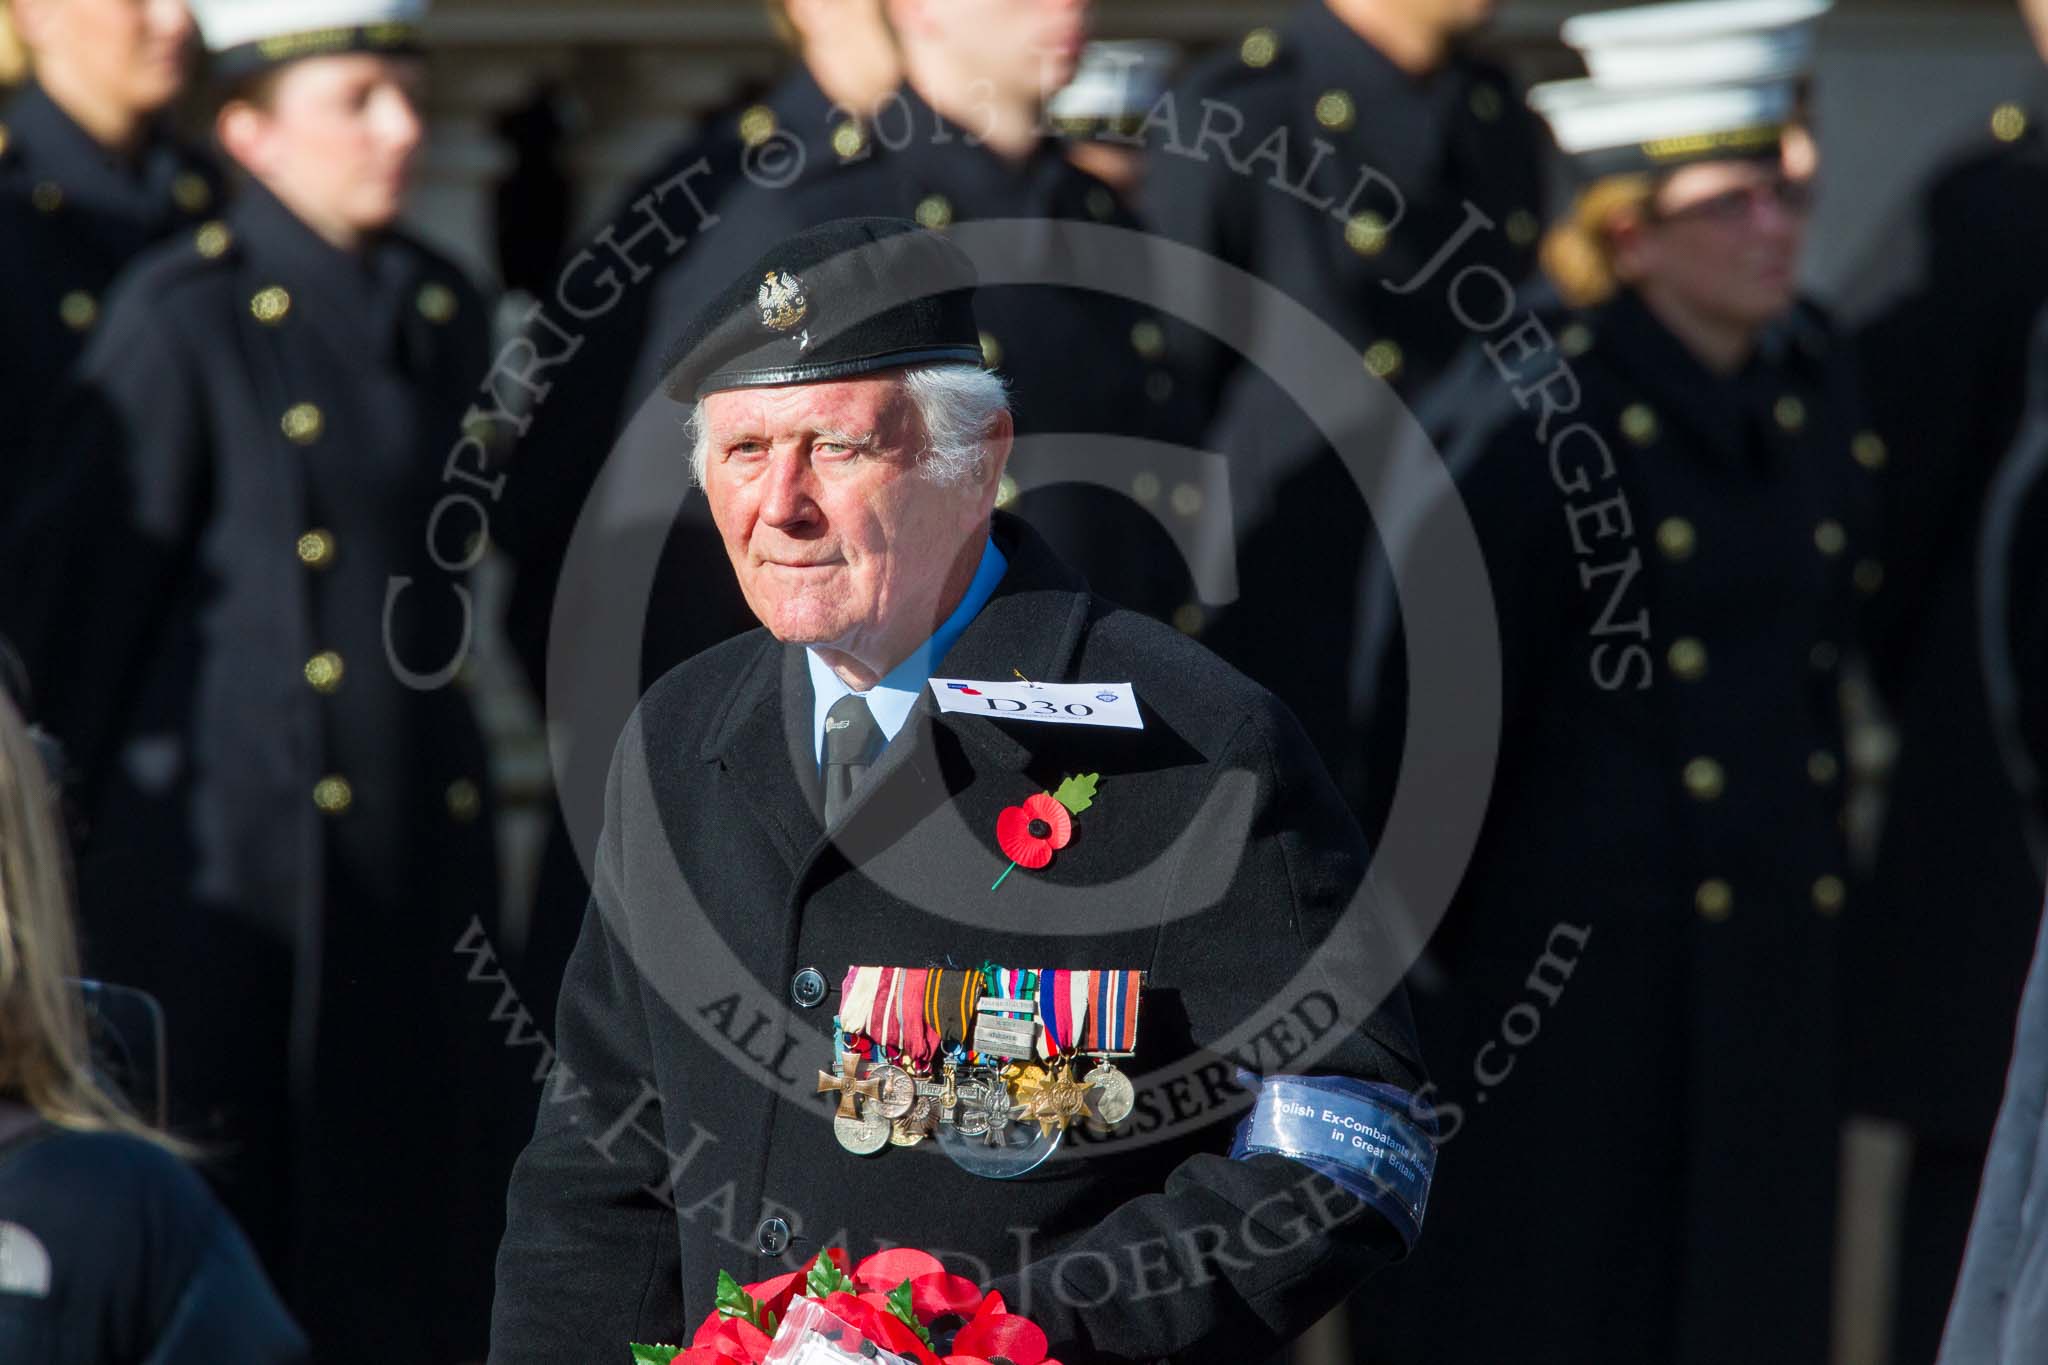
x=870, y=405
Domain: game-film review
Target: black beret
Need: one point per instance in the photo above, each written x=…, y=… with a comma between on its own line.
x=845, y=298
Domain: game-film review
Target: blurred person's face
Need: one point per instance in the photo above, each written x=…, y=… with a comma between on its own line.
x=1022, y=49
x=132, y=55
x=2035, y=12
x=1721, y=240
x=335, y=140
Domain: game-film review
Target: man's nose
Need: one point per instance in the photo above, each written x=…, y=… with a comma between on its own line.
x=786, y=499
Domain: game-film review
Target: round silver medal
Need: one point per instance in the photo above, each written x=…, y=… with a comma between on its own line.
x=898, y=1092
x=1110, y=1094
x=863, y=1136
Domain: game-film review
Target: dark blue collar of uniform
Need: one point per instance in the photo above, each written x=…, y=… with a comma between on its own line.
x=1405, y=119
x=356, y=297
x=1717, y=410
x=54, y=147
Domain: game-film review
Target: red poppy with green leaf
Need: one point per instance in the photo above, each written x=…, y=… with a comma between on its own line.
x=1031, y=833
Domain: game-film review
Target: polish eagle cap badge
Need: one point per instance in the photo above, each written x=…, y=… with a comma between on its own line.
x=782, y=300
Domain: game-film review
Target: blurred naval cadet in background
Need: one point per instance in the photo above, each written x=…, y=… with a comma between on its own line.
x=246, y=607
x=89, y=176
x=623, y=297
x=1357, y=157
x=1944, y=366
x=1665, y=487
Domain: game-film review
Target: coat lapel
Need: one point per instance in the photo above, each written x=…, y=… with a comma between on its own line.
x=764, y=743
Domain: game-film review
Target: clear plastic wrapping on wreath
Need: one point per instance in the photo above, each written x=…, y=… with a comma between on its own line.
x=811, y=1334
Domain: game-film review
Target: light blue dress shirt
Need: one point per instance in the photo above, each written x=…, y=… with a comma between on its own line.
x=891, y=698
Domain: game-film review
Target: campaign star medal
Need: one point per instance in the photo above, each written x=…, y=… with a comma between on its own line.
x=1030, y=833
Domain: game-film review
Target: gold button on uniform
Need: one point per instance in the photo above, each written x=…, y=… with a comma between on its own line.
x=1383, y=359
x=991, y=351
x=1867, y=449
x=1259, y=47
x=1868, y=576
x=324, y=671
x=1334, y=110
x=1148, y=339
x=934, y=211
x=1823, y=767
x=270, y=306
x=437, y=302
x=1145, y=488
x=1704, y=779
x=1829, y=537
x=78, y=309
x=2008, y=122
x=1828, y=894
x=1485, y=103
x=212, y=239
x=191, y=193
x=1006, y=491
x=333, y=795
x=1188, y=618
x=1101, y=204
x=1158, y=385
x=1366, y=233
x=1688, y=659
x=757, y=125
x=1638, y=423
x=1676, y=538
x=465, y=801
x=849, y=139
x=1714, y=899
x=1576, y=339
x=47, y=196
x=1789, y=412
x=1186, y=499
x=1522, y=227
x=303, y=423
x=316, y=548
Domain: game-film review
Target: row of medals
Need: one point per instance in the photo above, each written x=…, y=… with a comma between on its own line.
x=900, y=1109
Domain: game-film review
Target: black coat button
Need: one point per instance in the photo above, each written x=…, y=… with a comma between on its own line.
x=772, y=1237
x=807, y=988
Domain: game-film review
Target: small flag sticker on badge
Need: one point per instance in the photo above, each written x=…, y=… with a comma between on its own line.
x=963, y=687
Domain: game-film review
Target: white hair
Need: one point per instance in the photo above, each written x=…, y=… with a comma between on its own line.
x=956, y=403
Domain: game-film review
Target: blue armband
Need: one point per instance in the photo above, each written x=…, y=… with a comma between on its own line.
x=1370, y=1138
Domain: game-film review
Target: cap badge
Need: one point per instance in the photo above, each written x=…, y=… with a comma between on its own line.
x=782, y=299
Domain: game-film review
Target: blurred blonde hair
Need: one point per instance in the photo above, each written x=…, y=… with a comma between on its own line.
x=1578, y=253
x=44, y=1057
x=13, y=52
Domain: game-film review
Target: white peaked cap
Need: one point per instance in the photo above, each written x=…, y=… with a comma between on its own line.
x=247, y=35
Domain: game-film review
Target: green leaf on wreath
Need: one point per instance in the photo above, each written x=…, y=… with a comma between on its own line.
x=735, y=1302
x=654, y=1355
x=899, y=1304
x=1077, y=793
x=825, y=1277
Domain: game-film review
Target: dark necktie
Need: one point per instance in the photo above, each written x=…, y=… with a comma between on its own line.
x=852, y=741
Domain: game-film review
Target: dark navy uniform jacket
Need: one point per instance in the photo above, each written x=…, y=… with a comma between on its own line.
x=222, y=579
x=71, y=215
x=115, y=1252
x=1339, y=179
x=682, y=1134
x=1630, y=1007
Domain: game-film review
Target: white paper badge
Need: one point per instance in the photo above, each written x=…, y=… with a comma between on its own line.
x=1111, y=704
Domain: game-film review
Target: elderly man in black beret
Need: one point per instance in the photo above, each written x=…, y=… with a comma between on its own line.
x=944, y=777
